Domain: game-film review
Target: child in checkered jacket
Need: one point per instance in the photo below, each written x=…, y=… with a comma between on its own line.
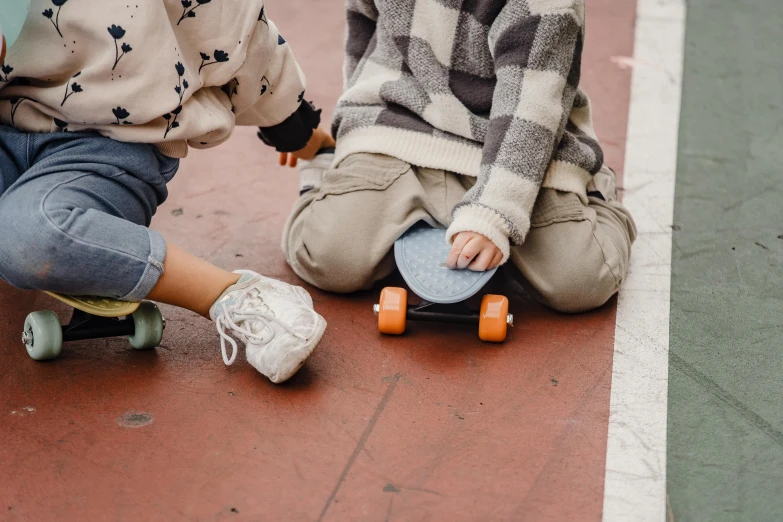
x=465, y=114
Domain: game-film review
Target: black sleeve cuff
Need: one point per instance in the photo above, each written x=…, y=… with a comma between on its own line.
x=294, y=133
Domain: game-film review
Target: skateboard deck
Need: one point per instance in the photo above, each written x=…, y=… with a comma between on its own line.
x=98, y=306
x=421, y=258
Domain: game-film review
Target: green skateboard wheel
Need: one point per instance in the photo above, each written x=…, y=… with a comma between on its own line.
x=43, y=335
x=149, y=325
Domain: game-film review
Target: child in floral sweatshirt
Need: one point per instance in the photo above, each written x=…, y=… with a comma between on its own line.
x=466, y=115
x=98, y=101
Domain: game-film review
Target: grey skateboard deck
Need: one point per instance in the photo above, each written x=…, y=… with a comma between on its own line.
x=421, y=258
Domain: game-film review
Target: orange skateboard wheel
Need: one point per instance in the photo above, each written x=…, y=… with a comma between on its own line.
x=392, y=311
x=493, y=319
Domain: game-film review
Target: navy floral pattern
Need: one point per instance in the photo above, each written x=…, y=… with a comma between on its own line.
x=182, y=86
x=265, y=85
x=49, y=13
x=231, y=89
x=220, y=57
x=189, y=10
x=15, y=103
x=117, y=33
x=122, y=115
x=71, y=88
x=123, y=107
x=6, y=70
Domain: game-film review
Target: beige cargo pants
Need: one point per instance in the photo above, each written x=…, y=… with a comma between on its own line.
x=339, y=237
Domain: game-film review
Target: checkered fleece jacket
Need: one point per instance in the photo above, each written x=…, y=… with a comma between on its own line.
x=485, y=88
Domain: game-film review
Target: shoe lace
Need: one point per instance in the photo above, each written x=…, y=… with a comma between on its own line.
x=248, y=309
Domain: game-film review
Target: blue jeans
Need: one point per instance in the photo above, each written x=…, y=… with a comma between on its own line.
x=74, y=212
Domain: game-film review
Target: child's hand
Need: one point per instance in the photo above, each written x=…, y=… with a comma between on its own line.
x=320, y=140
x=474, y=252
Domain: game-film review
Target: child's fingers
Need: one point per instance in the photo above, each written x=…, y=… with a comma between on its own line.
x=469, y=253
x=482, y=261
x=496, y=260
x=288, y=159
x=456, y=249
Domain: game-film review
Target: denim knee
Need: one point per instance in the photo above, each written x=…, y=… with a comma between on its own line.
x=31, y=248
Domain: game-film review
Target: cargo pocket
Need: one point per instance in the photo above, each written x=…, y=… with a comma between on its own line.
x=361, y=172
x=554, y=206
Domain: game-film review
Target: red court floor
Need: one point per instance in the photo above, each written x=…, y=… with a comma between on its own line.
x=431, y=426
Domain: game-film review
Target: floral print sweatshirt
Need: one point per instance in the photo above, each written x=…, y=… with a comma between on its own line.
x=174, y=73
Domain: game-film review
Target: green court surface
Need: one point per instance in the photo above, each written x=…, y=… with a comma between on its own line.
x=725, y=420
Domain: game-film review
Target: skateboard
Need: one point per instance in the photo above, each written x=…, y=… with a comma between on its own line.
x=93, y=318
x=421, y=259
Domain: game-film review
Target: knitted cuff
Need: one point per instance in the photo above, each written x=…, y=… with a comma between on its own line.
x=294, y=133
x=484, y=221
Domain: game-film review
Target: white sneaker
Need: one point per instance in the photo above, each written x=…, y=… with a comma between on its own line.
x=311, y=173
x=604, y=182
x=275, y=320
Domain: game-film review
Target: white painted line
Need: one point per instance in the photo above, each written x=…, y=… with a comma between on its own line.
x=635, y=486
